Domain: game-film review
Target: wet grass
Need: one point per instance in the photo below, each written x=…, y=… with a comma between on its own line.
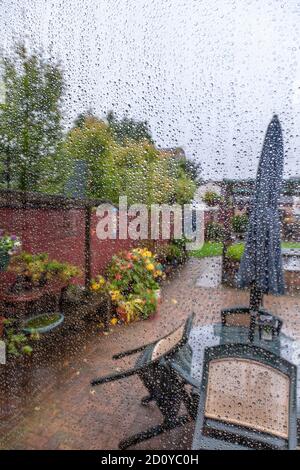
x=208, y=249
x=295, y=245
x=234, y=252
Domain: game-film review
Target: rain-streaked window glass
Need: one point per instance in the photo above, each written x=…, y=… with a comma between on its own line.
x=149, y=224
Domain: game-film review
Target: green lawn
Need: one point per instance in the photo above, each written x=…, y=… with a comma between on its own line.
x=290, y=245
x=235, y=251
x=208, y=249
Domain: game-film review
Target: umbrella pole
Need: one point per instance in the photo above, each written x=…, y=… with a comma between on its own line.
x=256, y=297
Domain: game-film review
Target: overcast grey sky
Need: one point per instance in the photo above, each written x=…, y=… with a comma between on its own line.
x=208, y=75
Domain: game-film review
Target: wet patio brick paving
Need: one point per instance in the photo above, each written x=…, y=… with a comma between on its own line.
x=66, y=413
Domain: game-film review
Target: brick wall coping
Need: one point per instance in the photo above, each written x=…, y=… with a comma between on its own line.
x=22, y=199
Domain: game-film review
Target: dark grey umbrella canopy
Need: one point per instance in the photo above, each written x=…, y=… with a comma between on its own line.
x=261, y=264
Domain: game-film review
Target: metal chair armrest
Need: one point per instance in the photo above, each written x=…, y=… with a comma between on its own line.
x=131, y=351
x=118, y=376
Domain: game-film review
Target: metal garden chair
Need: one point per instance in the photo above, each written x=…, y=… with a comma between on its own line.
x=245, y=317
x=247, y=399
x=165, y=384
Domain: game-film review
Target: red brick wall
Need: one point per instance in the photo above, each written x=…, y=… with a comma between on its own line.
x=103, y=250
x=61, y=234
x=58, y=232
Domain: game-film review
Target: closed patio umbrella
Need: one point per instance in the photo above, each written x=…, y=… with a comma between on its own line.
x=261, y=264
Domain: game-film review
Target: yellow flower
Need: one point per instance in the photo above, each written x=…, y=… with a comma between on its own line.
x=94, y=286
x=157, y=273
x=114, y=321
x=101, y=281
x=147, y=254
x=115, y=294
x=150, y=267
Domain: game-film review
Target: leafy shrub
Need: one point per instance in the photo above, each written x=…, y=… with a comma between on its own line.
x=170, y=253
x=38, y=269
x=239, y=223
x=16, y=342
x=291, y=229
x=180, y=242
x=214, y=232
x=211, y=198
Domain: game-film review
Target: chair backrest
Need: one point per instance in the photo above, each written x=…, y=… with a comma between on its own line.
x=249, y=392
x=242, y=316
x=172, y=342
x=236, y=316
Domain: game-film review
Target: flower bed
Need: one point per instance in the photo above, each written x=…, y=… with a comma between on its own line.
x=132, y=283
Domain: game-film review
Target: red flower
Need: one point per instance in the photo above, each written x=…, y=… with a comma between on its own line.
x=118, y=277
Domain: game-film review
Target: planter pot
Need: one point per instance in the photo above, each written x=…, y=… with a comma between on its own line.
x=29, y=302
x=22, y=304
x=42, y=329
x=75, y=296
x=4, y=260
x=98, y=309
x=168, y=268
